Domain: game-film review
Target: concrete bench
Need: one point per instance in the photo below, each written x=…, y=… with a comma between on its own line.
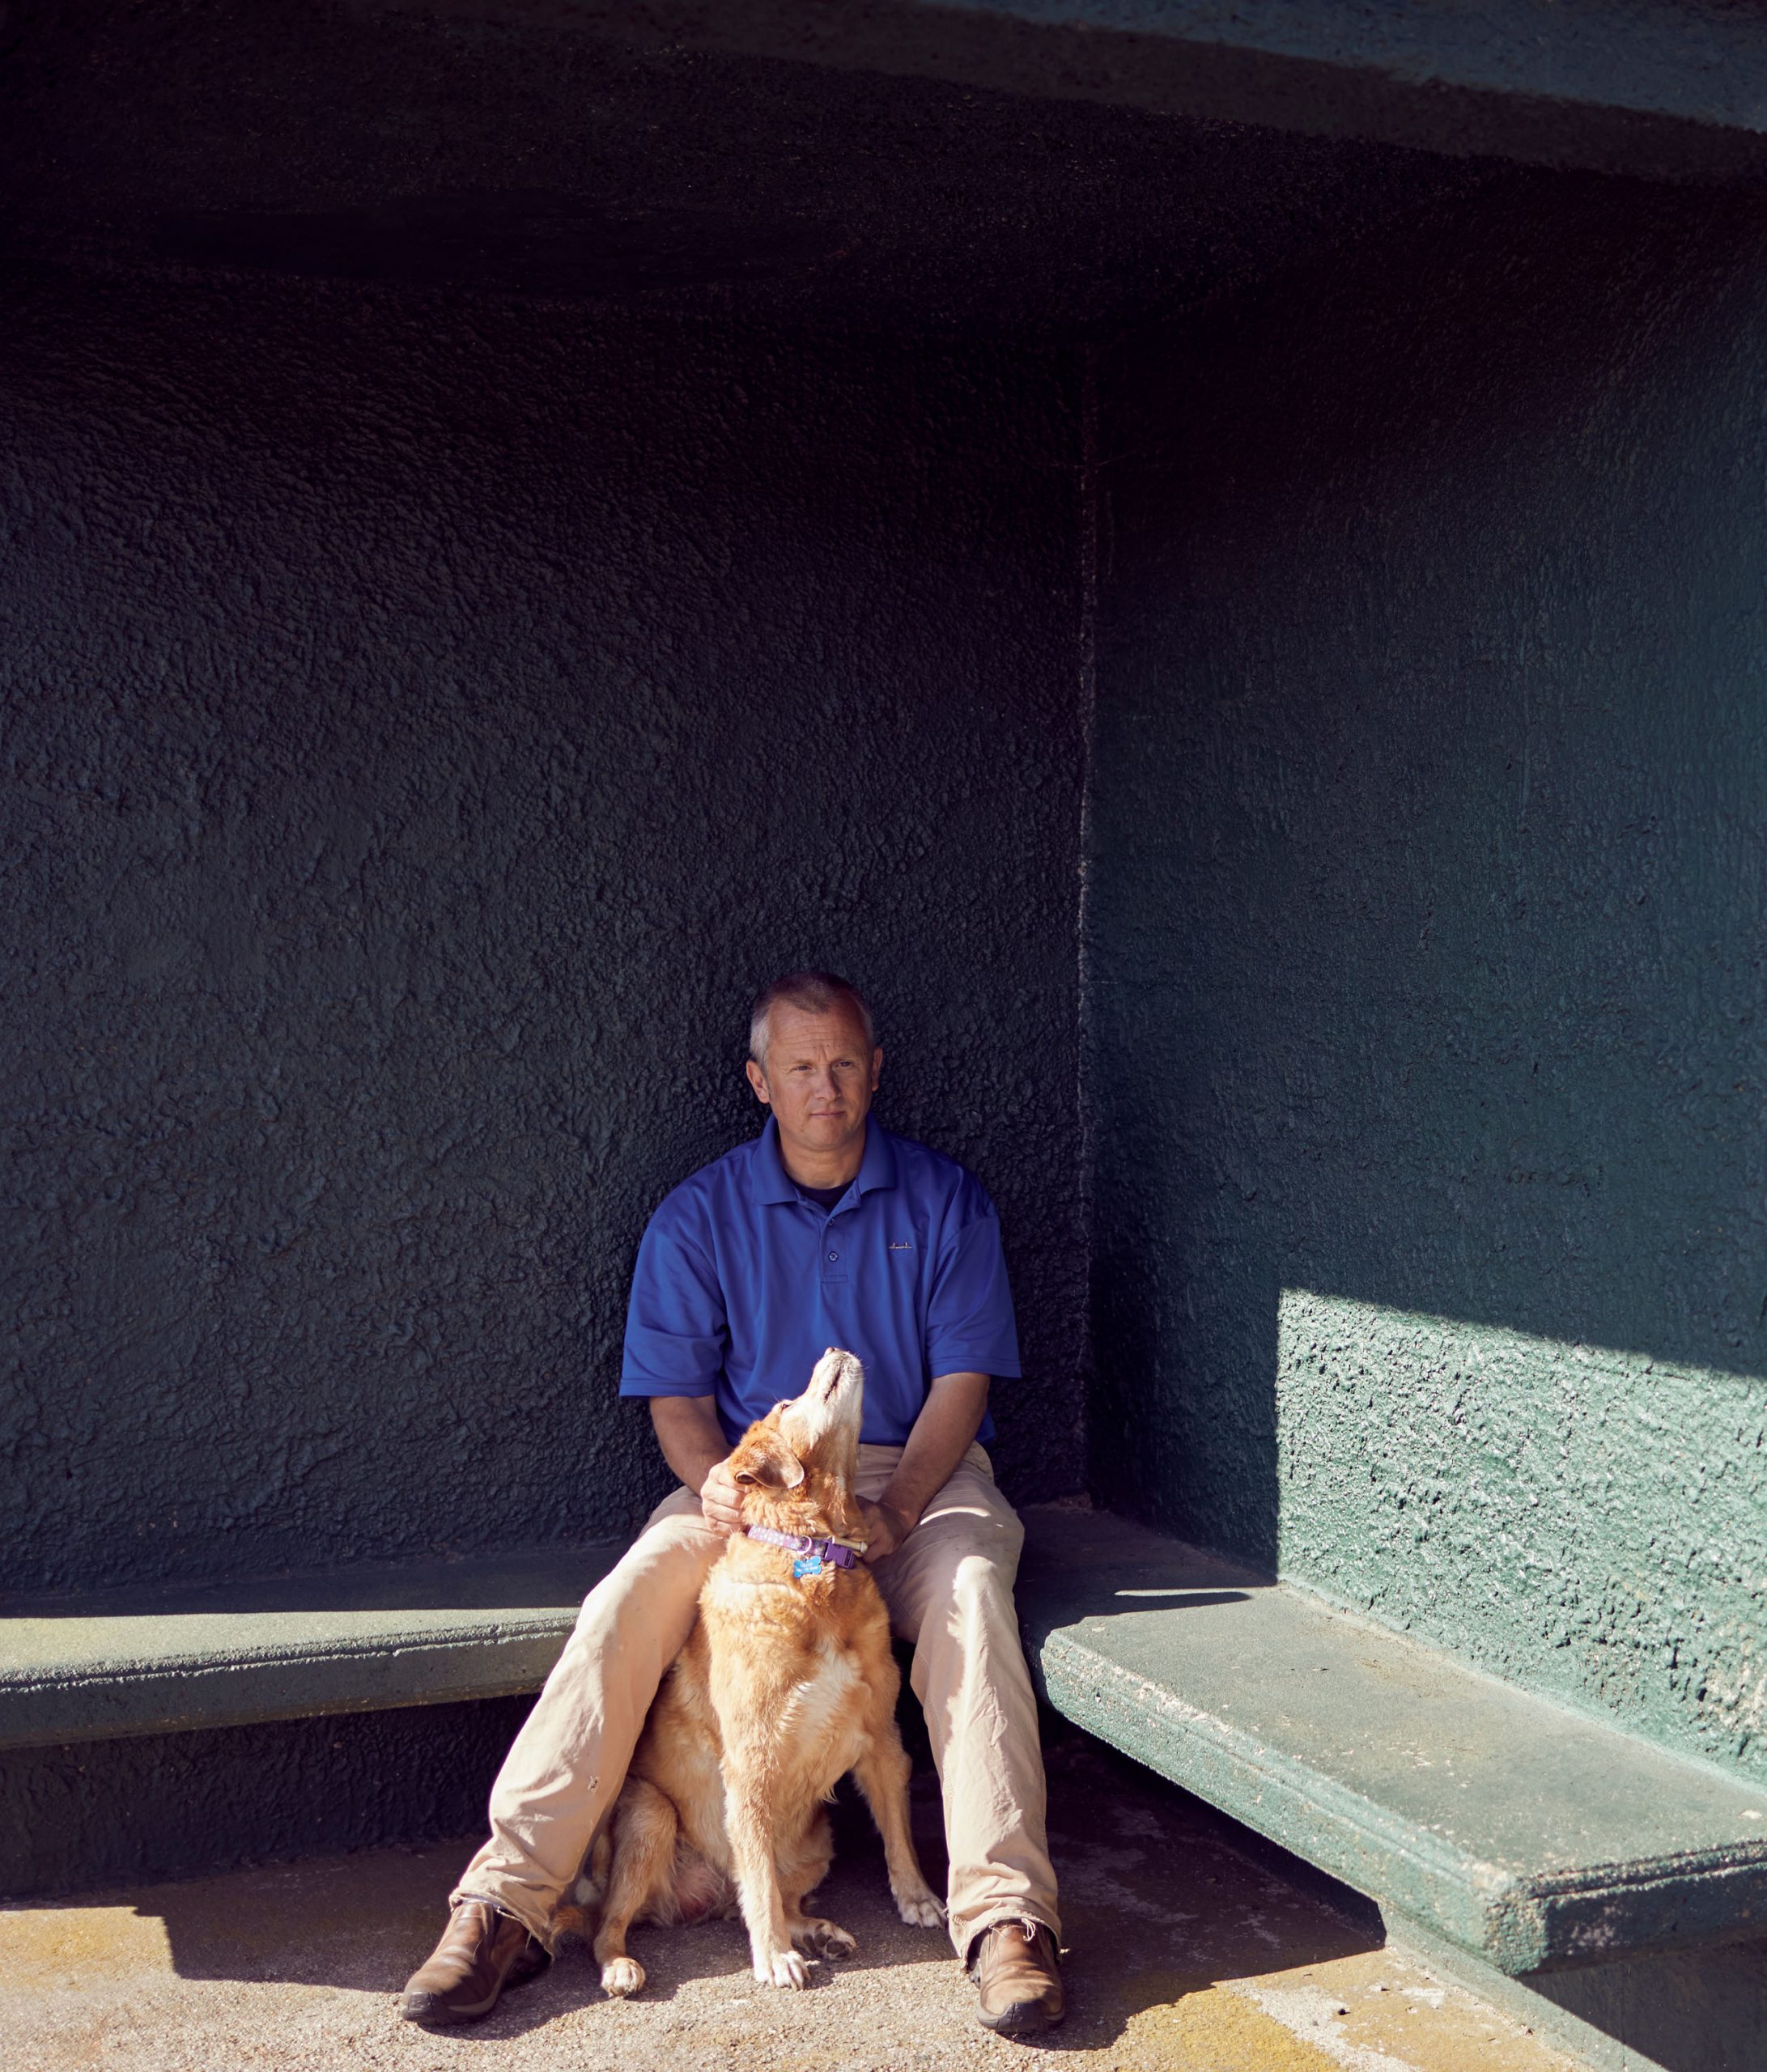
x=152, y=1661
x=1506, y=1825
x=1503, y=1825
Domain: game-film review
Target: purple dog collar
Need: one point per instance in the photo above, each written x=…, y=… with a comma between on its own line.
x=836, y=1552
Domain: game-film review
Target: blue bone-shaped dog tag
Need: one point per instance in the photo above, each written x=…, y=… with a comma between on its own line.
x=807, y=1565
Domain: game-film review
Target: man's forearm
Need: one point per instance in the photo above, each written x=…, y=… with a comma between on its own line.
x=692, y=1439
x=943, y=1432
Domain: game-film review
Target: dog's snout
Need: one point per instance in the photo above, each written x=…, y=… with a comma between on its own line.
x=838, y=1376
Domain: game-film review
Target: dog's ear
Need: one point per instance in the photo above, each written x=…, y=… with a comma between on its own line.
x=766, y=1461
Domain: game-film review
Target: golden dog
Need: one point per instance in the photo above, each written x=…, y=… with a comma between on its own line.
x=787, y=1683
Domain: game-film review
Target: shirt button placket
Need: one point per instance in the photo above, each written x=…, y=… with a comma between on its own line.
x=833, y=1266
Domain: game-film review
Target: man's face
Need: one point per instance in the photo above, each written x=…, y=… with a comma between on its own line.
x=818, y=1078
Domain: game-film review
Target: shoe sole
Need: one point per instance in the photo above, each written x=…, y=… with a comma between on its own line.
x=1024, y=2019
x=432, y=2008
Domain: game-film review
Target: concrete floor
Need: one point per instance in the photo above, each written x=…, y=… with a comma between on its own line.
x=1185, y=1954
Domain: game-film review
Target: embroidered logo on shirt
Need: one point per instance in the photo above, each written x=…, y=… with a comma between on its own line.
x=900, y=1245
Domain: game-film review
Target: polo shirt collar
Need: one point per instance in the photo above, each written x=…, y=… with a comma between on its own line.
x=770, y=1182
x=877, y=1168
x=767, y=1174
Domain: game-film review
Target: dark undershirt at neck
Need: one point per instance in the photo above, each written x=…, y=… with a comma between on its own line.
x=824, y=1198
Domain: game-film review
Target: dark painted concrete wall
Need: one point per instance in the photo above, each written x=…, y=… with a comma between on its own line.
x=173, y=1804
x=1428, y=880
x=425, y=722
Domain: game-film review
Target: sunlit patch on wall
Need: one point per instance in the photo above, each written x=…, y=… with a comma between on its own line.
x=1582, y=1519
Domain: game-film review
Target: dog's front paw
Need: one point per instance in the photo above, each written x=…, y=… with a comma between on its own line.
x=825, y=1938
x=620, y=1976
x=919, y=1909
x=786, y=1968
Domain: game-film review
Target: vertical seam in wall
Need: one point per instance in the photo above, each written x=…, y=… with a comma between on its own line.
x=1088, y=688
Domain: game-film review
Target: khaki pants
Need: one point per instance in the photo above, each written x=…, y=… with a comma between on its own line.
x=950, y=1590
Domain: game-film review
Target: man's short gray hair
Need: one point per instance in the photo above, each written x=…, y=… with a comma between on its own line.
x=815, y=992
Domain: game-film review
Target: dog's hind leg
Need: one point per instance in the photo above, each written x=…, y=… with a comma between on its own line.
x=881, y=1773
x=801, y=1870
x=644, y=1859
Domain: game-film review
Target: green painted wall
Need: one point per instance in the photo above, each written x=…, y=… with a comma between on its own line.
x=1425, y=930
x=424, y=725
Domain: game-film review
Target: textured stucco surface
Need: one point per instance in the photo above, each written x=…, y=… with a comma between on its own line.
x=424, y=724
x=1425, y=920
x=1603, y=1511
x=165, y=1806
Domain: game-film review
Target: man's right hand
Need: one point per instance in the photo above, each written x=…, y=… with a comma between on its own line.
x=720, y=1501
x=694, y=1446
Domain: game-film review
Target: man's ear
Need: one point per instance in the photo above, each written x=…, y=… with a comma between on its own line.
x=757, y=1080
x=768, y=1462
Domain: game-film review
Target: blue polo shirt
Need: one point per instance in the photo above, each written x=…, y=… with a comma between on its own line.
x=743, y=1282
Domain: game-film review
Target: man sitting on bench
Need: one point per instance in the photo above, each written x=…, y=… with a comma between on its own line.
x=826, y=1229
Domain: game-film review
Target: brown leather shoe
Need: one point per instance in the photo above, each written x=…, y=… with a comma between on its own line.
x=482, y=1953
x=1015, y=1964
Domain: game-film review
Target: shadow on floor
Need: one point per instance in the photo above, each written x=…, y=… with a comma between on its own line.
x=1162, y=1898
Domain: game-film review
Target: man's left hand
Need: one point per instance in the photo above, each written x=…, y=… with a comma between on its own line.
x=885, y=1528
